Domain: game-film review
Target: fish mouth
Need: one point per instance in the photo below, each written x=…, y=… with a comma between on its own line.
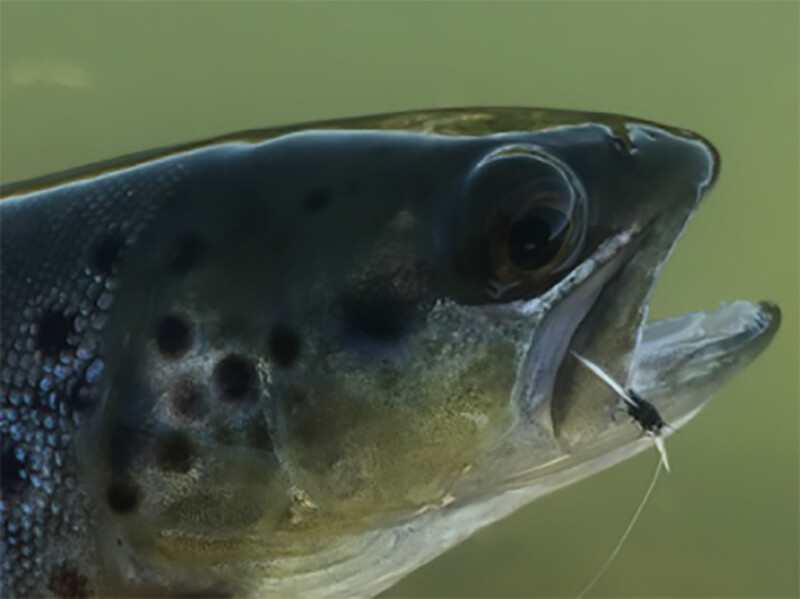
x=675, y=363
x=681, y=361
x=599, y=311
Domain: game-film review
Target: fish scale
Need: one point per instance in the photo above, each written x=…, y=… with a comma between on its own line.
x=48, y=392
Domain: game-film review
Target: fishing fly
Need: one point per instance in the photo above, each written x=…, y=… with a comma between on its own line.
x=625, y=534
x=641, y=410
x=648, y=417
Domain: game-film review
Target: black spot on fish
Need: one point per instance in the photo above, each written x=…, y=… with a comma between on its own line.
x=12, y=469
x=122, y=496
x=67, y=582
x=173, y=336
x=105, y=253
x=235, y=376
x=644, y=413
x=175, y=452
x=375, y=318
x=317, y=200
x=53, y=329
x=187, y=399
x=284, y=345
x=187, y=252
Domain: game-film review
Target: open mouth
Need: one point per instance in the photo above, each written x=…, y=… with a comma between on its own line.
x=599, y=310
x=676, y=364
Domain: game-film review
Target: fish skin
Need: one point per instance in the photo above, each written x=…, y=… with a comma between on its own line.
x=226, y=364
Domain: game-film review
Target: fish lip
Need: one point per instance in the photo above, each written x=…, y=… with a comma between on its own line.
x=681, y=361
x=753, y=325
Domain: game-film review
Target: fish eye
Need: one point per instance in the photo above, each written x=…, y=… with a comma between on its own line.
x=533, y=212
x=533, y=237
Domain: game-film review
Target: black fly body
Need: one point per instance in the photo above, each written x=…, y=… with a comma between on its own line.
x=641, y=410
x=645, y=413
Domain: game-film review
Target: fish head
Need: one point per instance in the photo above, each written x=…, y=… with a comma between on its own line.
x=386, y=350
x=443, y=341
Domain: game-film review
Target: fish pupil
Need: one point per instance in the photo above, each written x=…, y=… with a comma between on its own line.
x=535, y=238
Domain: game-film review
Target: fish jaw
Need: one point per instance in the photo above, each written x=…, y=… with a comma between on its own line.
x=566, y=426
x=679, y=364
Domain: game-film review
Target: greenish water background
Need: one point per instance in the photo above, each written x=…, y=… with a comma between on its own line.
x=83, y=81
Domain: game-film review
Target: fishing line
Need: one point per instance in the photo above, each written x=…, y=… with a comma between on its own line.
x=651, y=422
x=625, y=534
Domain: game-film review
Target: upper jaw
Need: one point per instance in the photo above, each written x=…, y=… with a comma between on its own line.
x=682, y=361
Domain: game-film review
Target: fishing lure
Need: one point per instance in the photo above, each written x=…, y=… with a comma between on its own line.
x=641, y=410
x=648, y=417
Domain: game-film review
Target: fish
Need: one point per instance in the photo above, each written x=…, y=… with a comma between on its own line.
x=306, y=360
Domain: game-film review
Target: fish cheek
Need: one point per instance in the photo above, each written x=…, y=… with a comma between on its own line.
x=371, y=436
x=181, y=493
x=187, y=502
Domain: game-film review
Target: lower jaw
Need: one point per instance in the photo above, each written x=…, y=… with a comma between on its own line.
x=678, y=365
x=681, y=361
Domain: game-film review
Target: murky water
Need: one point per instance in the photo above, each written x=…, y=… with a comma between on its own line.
x=83, y=81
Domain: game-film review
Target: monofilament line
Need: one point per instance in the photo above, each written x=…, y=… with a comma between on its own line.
x=625, y=534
